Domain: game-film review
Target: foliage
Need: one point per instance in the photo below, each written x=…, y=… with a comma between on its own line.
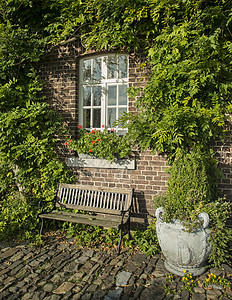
x=103, y=144
x=189, y=282
x=191, y=185
x=28, y=159
x=183, y=106
x=96, y=236
x=17, y=218
x=188, y=96
x=217, y=280
x=191, y=190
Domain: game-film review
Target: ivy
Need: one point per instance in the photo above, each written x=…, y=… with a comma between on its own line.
x=184, y=105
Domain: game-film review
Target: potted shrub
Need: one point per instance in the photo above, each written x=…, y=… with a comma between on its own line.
x=191, y=217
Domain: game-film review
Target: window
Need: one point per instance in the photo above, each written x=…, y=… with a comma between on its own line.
x=103, y=91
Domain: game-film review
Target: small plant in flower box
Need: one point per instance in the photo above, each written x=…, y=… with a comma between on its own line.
x=105, y=144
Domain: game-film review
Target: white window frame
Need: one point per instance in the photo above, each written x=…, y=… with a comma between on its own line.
x=104, y=83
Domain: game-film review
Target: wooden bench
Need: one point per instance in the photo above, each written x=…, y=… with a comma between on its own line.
x=106, y=207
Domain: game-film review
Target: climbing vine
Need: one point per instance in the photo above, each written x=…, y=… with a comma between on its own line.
x=184, y=105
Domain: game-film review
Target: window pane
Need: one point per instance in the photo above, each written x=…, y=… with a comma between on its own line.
x=86, y=96
x=97, y=96
x=122, y=67
x=112, y=68
x=111, y=116
x=96, y=118
x=86, y=118
x=121, y=110
x=112, y=95
x=87, y=69
x=122, y=97
x=97, y=69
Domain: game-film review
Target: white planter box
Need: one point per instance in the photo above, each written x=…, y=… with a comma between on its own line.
x=87, y=161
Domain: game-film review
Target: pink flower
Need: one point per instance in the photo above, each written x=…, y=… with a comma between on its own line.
x=87, y=133
x=111, y=129
x=70, y=141
x=79, y=126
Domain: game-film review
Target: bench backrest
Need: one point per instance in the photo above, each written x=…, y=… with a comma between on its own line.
x=94, y=198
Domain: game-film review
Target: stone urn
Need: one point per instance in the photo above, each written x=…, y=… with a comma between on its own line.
x=183, y=250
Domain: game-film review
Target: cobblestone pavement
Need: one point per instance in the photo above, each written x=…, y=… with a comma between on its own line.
x=62, y=270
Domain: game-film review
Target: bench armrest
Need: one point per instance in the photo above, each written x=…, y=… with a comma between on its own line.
x=43, y=204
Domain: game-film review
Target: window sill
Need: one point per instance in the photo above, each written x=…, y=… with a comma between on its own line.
x=87, y=161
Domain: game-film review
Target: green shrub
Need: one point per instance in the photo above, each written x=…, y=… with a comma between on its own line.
x=191, y=190
x=17, y=218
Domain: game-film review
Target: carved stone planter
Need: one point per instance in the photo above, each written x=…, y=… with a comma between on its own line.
x=183, y=250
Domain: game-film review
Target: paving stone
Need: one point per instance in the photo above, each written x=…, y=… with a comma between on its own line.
x=108, y=282
x=90, y=274
x=13, y=289
x=64, y=288
x=149, y=269
x=88, y=252
x=92, y=288
x=114, y=294
x=49, y=287
x=98, y=281
x=8, y=253
x=71, y=267
x=216, y=286
x=128, y=290
x=123, y=278
x=15, y=270
x=28, y=256
x=86, y=296
x=198, y=296
x=99, y=295
x=8, y=280
x=185, y=295
x=58, y=277
x=138, y=291
x=199, y=290
x=17, y=256
x=82, y=259
x=177, y=296
x=27, y=296
x=153, y=292
x=139, y=258
x=88, y=278
x=227, y=268
x=131, y=267
x=213, y=294
x=76, y=277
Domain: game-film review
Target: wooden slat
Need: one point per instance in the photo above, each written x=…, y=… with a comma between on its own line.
x=95, y=188
x=83, y=219
x=94, y=197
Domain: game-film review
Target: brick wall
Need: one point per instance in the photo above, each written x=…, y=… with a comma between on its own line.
x=60, y=74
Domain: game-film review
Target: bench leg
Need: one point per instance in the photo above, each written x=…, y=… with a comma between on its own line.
x=129, y=233
x=119, y=244
x=41, y=228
